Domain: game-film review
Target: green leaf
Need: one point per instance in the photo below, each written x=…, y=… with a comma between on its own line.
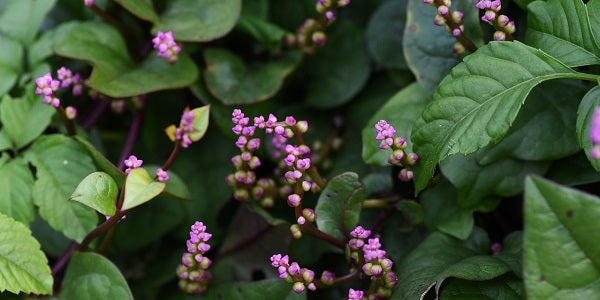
x=340, y=69
x=42, y=48
x=440, y=257
x=199, y=20
x=25, y=119
x=21, y=19
x=92, y=276
x=16, y=184
x=562, y=29
x=175, y=187
x=385, y=32
x=267, y=34
x=61, y=163
x=506, y=287
x=340, y=204
x=140, y=188
x=114, y=72
x=102, y=163
x=429, y=49
x=200, y=124
x=142, y=9
x=573, y=170
x=23, y=266
x=272, y=289
x=588, y=104
x=98, y=191
x=593, y=8
x=476, y=104
x=11, y=59
x=561, y=251
x=443, y=213
x=231, y=81
x=5, y=142
x=400, y=111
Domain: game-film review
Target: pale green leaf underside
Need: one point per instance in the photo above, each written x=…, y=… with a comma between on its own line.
x=140, y=188
x=23, y=266
x=98, y=191
x=476, y=104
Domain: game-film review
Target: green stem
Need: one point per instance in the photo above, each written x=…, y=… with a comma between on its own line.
x=374, y=203
x=586, y=76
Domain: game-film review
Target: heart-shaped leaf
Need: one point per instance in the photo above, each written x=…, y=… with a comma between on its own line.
x=16, y=185
x=199, y=20
x=561, y=251
x=140, y=188
x=562, y=29
x=98, y=191
x=588, y=105
x=23, y=266
x=476, y=104
x=233, y=82
x=143, y=9
x=11, y=59
x=340, y=204
x=92, y=276
x=114, y=72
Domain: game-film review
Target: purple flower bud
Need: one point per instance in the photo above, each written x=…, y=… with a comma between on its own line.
x=311, y=286
x=293, y=200
x=271, y=120
x=306, y=185
x=457, y=16
x=253, y=144
x=595, y=152
x=342, y=3
x=132, y=162
x=360, y=232
x=489, y=16
x=499, y=36
x=319, y=38
x=412, y=158
x=237, y=161
x=275, y=260
x=447, y=3
x=355, y=294
x=496, y=248
x=309, y=214
x=254, y=162
x=187, y=259
x=376, y=270
x=279, y=130
x=366, y=268
x=405, y=175
x=88, y=2
x=430, y=2
x=386, y=264
x=496, y=5
x=241, y=141
x=241, y=195
x=510, y=27
x=289, y=120
x=301, y=220
x=162, y=175
x=46, y=85
x=458, y=48
x=71, y=112
x=390, y=279
x=298, y=287
x=246, y=156
x=327, y=277
x=502, y=20
x=297, y=174
x=456, y=32
x=439, y=20
x=166, y=46
x=302, y=126
x=308, y=275
x=329, y=15
x=443, y=10
x=303, y=164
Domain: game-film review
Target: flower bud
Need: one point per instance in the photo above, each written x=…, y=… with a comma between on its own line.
x=309, y=214
x=327, y=278
x=510, y=27
x=296, y=231
x=457, y=16
x=301, y=220
x=306, y=185
x=386, y=264
x=405, y=175
x=302, y=126
x=308, y=275
x=447, y=3
x=71, y=112
x=499, y=36
x=319, y=38
x=289, y=39
x=294, y=200
x=502, y=20
x=230, y=180
x=430, y=2
x=459, y=48
x=411, y=158
x=267, y=202
x=298, y=287
x=241, y=195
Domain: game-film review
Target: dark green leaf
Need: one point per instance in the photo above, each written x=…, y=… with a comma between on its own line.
x=274, y=289
x=114, y=72
x=175, y=188
x=476, y=104
x=340, y=69
x=573, y=170
x=21, y=19
x=588, y=104
x=101, y=162
x=92, y=276
x=561, y=251
x=267, y=34
x=16, y=184
x=11, y=59
x=594, y=14
x=23, y=266
x=53, y=242
x=61, y=163
x=523, y=3
x=400, y=111
x=143, y=9
x=140, y=188
x=428, y=48
x=199, y=20
x=231, y=81
x=384, y=34
x=340, y=204
x=506, y=287
x=562, y=29
x=98, y=191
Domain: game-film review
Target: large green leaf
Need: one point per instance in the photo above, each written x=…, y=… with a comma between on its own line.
x=340, y=69
x=140, y=188
x=92, y=276
x=199, y=20
x=440, y=257
x=384, y=34
x=231, y=81
x=24, y=119
x=41, y=49
x=143, y=9
x=175, y=187
x=573, y=170
x=506, y=287
x=561, y=251
x=400, y=111
x=594, y=14
x=16, y=184
x=340, y=204
x=588, y=104
x=265, y=33
x=98, y=191
x=476, y=104
x=23, y=266
x=428, y=48
x=21, y=19
x=61, y=163
x=271, y=289
x=114, y=72
x=11, y=59
x=562, y=29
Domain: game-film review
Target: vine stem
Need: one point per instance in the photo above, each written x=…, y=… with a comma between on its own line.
x=339, y=280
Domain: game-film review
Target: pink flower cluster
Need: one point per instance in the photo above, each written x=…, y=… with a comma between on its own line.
x=595, y=134
x=166, y=46
x=501, y=23
x=186, y=125
x=132, y=163
x=192, y=272
x=301, y=277
x=368, y=250
x=48, y=87
x=355, y=294
x=444, y=16
x=386, y=134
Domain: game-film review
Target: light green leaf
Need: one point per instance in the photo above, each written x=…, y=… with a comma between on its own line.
x=233, y=82
x=142, y=9
x=21, y=19
x=561, y=251
x=562, y=29
x=61, y=163
x=443, y=213
x=41, y=49
x=114, y=72
x=24, y=119
x=340, y=204
x=476, y=104
x=102, y=163
x=588, y=104
x=23, y=266
x=92, y=276
x=11, y=60
x=199, y=20
x=98, y=191
x=140, y=188
x=5, y=142
x=385, y=32
x=16, y=184
x=400, y=111
x=175, y=187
